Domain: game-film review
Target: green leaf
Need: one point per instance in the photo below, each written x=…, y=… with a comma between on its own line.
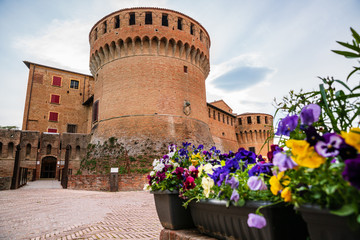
x=352, y=47
x=241, y=202
x=355, y=35
x=331, y=189
x=358, y=218
x=342, y=83
x=345, y=210
x=347, y=54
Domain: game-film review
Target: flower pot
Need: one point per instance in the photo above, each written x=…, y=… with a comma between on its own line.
x=171, y=213
x=323, y=225
x=213, y=218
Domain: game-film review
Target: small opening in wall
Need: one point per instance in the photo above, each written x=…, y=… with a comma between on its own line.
x=132, y=18
x=148, y=18
x=185, y=69
x=156, y=30
x=164, y=20
x=249, y=120
x=223, y=134
x=179, y=25
x=192, y=29
x=258, y=119
x=117, y=22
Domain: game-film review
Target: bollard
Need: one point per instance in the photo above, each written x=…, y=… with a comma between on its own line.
x=114, y=179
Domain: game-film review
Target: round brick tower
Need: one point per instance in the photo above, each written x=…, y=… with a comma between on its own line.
x=150, y=66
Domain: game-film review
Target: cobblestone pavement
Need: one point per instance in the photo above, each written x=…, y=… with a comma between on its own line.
x=42, y=213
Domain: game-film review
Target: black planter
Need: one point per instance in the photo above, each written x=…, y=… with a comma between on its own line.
x=213, y=218
x=171, y=213
x=323, y=225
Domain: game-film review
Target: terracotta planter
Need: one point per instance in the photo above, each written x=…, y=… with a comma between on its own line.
x=171, y=213
x=213, y=218
x=323, y=225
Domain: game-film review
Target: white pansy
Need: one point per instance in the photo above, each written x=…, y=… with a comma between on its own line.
x=147, y=187
x=159, y=167
x=155, y=162
x=152, y=173
x=176, y=165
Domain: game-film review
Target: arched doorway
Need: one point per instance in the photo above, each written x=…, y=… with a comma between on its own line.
x=48, y=167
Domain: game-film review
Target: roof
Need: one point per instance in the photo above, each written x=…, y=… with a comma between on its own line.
x=218, y=101
x=248, y=113
x=27, y=63
x=221, y=110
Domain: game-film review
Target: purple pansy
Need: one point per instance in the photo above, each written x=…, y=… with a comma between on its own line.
x=235, y=196
x=233, y=182
x=283, y=161
x=273, y=150
x=256, y=183
x=232, y=165
x=260, y=168
x=352, y=170
x=287, y=125
x=256, y=221
x=310, y=114
x=330, y=146
x=312, y=136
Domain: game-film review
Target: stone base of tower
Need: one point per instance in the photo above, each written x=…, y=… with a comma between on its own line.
x=151, y=134
x=225, y=145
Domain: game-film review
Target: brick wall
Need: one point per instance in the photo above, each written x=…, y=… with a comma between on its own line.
x=127, y=182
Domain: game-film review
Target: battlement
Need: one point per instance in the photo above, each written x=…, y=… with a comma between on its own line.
x=148, y=32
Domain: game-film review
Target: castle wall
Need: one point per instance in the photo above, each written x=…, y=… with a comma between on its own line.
x=222, y=127
x=252, y=130
x=44, y=97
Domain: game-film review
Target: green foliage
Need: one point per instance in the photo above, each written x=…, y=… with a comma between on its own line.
x=9, y=127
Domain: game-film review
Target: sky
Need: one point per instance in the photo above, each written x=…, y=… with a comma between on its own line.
x=260, y=50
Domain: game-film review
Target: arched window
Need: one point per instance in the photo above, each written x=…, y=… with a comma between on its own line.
x=0, y=149
x=48, y=149
x=10, y=149
x=28, y=150
x=77, y=154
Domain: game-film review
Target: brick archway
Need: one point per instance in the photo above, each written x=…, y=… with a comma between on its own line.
x=48, y=167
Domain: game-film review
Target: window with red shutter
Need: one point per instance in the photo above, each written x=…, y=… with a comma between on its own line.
x=56, y=81
x=52, y=130
x=53, y=116
x=55, y=98
x=95, y=111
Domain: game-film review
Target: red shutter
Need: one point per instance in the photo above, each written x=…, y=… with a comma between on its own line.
x=52, y=130
x=56, y=81
x=95, y=111
x=55, y=98
x=53, y=116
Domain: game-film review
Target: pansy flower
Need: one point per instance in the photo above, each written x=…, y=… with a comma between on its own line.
x=287, y=125
x=330, y=146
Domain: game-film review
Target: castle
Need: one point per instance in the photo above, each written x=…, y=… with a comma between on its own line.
x=147, y=89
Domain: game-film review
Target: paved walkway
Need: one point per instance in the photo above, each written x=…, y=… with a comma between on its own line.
x=42, y=210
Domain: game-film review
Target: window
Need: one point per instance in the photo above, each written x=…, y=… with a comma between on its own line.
x=48, y=149
x=95, y=33
x=249, y=120
x=258, y=119
x=180, y=24
x=219, y=116
x=148, y=18
x=185, y=69
x=52, y=130
x=209, y=112
x=223, y=118
x=192, y=29
x=71, y=128
x=231, y=121
x=117, y=22
x=240, y=121
x=0, y=149
x=266, y=120
x=74, y=84
x=201, y=35
x=53, y=116
x=227, y=119
x=56, y=81
x=164, y=20
x=95, y=111
x=55, y=99
x=28, y=150
x=105, y=27
x=132, y=19
x=252, y=149
x=10, y=149
x=214, y=114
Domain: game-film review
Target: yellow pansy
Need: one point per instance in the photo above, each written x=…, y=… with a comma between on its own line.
x=207, y=184
x=195, y=159
x=277, y=182
x=303, y=154
x=286, y=194
x=352, y=138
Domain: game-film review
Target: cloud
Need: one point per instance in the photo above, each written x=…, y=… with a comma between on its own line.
x=242, y=77
x=63, y=43
x=239, y=73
